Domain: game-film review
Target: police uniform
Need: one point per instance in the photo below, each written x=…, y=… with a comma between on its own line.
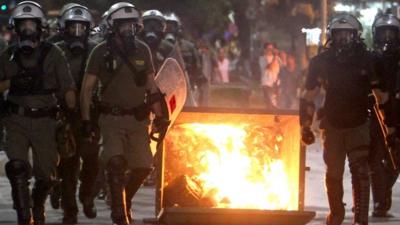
x=123, y=134
x=386, y=58
x=31, y=122
x=344, y=124
x=122, y=92
x=70, y=167
x=190, y=56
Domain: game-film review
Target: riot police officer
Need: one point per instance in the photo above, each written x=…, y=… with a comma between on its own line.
x=189, y=52
x=57, y=36
x=75, y=25
x=123, y=65
x=153, y=34
x=346, y=72
x=33, y=71
x=386, y=39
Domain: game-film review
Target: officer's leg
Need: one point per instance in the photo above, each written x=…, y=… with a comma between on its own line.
x=334, y=158
x=137, y=149
x=357, y=146
x=55, y=194
x=19, y=172
x=378, y=174
x=39, y=195
x=18, y=169
x=134, y=182
x=117, y=170
x=69, y=172
x=45, y=160
x=391, y=181
x=89, y=153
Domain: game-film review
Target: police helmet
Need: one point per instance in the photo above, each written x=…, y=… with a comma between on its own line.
x=153, y=14
x=76, y=13
x=28, y=10
x=172, y=17
x=122, y=11
x=385, y=21
x=67, y=7
x=344, y=22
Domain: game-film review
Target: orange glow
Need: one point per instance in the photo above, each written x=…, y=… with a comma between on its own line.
x=235, y=166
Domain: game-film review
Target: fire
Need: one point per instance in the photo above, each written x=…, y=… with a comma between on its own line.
x=231, y=166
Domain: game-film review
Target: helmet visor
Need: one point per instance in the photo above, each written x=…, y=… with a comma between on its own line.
x=76, y=29
x=342, y=37
x=27, y=26
x=152, y=25
x=387, y=34
x=172, y=27
x=126, y=28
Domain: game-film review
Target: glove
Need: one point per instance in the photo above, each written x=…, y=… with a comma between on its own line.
x=160, y=126
x=307, y=136
x=89, y=130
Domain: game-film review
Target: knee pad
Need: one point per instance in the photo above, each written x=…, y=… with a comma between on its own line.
x=117, y=164
x=18, y=169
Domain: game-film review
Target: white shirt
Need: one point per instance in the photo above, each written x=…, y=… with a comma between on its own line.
x=269, y=76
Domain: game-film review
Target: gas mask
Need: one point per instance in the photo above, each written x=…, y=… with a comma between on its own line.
x=387, y=39
x=126, y=31
x=172, y=32
x=153, y=32
x=344, y=43
x=28, y=32
x=76, y=34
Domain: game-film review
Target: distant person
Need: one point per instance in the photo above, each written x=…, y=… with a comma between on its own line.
x=269, y=67
x=289, y=82
x=223, y=66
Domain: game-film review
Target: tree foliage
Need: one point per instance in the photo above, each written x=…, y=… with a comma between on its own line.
x=198, y=16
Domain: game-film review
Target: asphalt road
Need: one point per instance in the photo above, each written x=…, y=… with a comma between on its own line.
x=144, y=201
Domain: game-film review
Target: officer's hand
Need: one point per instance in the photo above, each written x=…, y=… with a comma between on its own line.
x=89, y=131
x=159, y=126
x=307, y=136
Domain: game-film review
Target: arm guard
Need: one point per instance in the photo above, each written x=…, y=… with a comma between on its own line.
x=307, y=110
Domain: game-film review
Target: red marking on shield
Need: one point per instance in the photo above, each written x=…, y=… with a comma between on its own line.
x=172, y=103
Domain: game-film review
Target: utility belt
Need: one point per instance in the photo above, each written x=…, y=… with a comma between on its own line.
x=140, y=112
x=31, y=112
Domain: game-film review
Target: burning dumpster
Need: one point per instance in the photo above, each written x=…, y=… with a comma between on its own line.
x=231, y=166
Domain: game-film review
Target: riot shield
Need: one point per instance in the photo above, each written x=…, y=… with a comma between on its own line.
x=171, y=81
x=176, y=54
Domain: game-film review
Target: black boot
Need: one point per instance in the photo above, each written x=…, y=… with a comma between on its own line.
x=334, y=189
x=116, y=178
x=69, y=172
x=55, y=196
x=19, y=172
x=361, y=185
x=39, y=195
x=135, y=181
x=90, y=169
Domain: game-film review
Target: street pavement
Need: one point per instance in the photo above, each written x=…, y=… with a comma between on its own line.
x=315, y=199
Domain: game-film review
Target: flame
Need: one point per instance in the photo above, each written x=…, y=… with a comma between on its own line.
x=236, y=166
